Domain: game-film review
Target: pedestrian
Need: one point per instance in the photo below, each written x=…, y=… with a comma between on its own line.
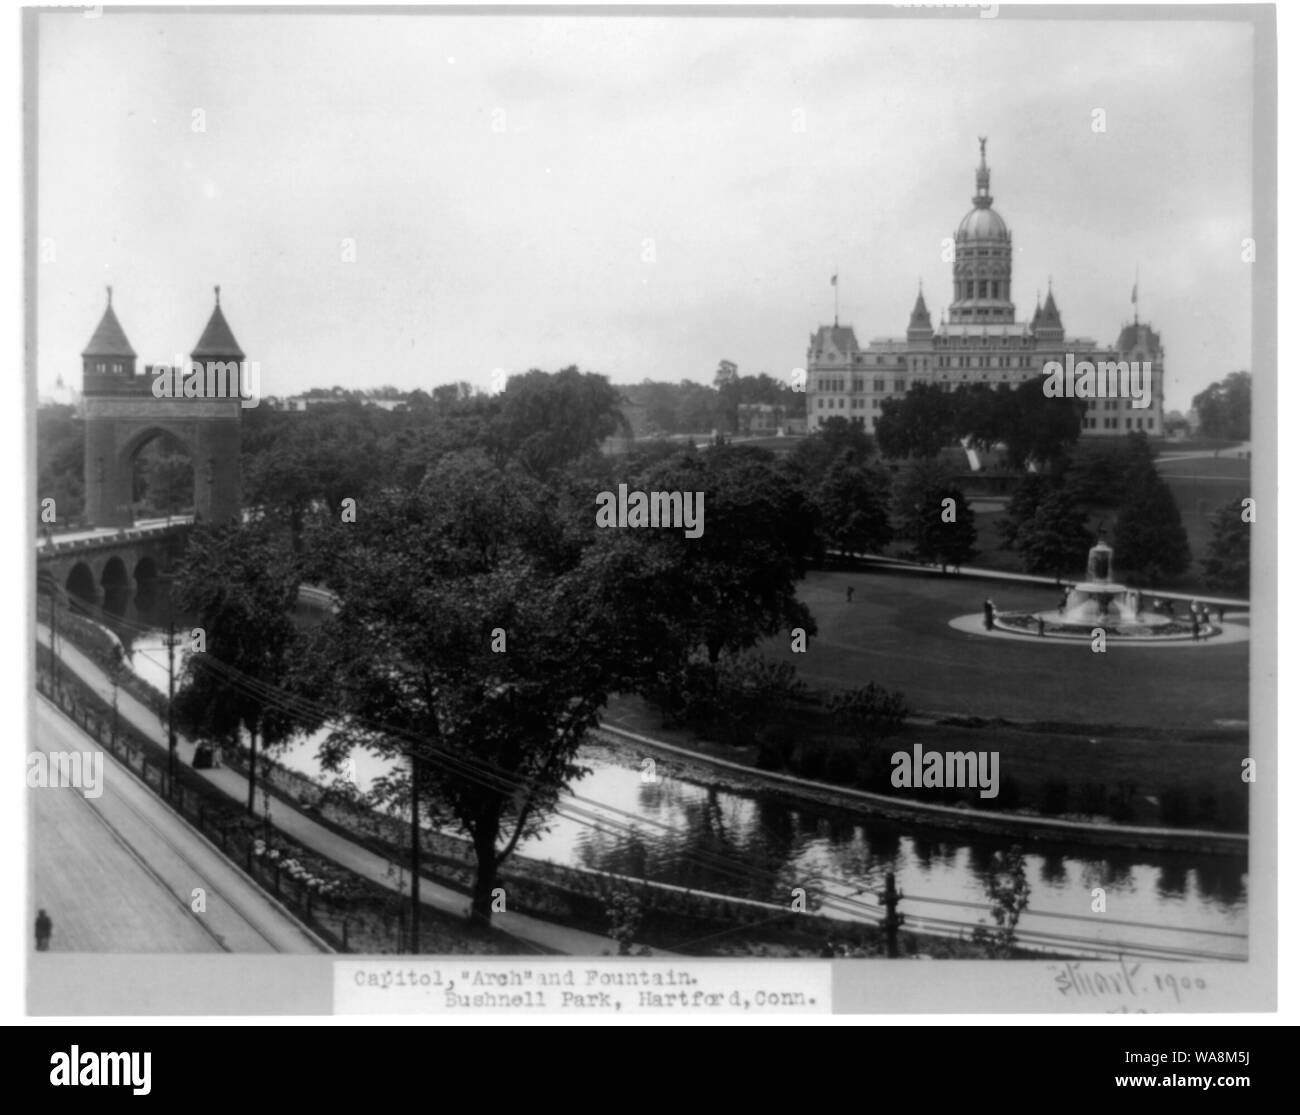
x=1041, y=627
x=1220, y=615
x=848, y=595
x=44, y=927
x=1196, y=628
x=1065, y=599
x=988, y=615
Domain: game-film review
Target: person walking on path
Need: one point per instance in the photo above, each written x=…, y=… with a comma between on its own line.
x=848, y=594
x=44, y=927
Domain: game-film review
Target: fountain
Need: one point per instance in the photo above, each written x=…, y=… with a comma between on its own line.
x=1100, y=601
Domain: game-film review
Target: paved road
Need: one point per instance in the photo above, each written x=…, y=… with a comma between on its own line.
x=534, y=935
x=117, y=872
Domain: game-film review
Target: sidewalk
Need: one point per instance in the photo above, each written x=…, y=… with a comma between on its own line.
x=545, y=936
x=886, y=562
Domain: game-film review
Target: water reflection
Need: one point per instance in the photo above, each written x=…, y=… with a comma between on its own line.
x=758, y=846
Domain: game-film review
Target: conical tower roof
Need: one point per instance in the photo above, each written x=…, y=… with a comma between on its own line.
x=1051, y=314
x=109, y=338
x=920, y=315
x=217, y=339
x=919, y=326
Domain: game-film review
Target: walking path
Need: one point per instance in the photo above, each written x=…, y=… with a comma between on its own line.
x=885, y=561
x=544, y=936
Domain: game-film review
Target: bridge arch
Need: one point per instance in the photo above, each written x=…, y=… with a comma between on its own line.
x=81, y=585
x=116, y=585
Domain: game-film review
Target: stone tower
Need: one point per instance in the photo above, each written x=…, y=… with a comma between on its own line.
x=981, y=269
x=123, y=414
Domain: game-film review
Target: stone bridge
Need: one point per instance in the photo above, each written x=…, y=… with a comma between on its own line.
x=115, y=572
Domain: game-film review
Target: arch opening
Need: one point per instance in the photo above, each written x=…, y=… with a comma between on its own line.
x=82, y=594
x=117, y=587
x=162, y=475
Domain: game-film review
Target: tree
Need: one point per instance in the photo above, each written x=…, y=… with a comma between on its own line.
x=1149, y=536
x=546, y=421
x=723, y=590
x=1224, y=408
x=1007, y=887
x=748, y=692
x=462, y=649
x=938, y=530
x=919, y=424
x=1227, y=566
x=1030, y=491
x=60, y=457
x=1056, y=538
x=1037, y=428
x=836, y=440
x=164, y=477
x=241, y=583
x=312, y=462
x=852, y=505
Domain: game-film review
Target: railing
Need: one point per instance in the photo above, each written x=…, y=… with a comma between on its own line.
x=366, y=918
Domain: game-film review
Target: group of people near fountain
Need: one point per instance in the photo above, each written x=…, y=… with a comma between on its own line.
x=1101, y=601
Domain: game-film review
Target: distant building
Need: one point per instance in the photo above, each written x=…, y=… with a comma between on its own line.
x=978, y=340
x=759, y=419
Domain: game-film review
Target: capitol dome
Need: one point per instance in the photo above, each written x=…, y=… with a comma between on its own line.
x=982, y=223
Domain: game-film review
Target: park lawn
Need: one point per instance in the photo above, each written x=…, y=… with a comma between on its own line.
x=1141, y=735
x=896, y=633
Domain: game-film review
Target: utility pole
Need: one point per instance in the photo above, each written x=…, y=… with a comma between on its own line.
x=893, y=919
x=415, y=852
x=171, y=703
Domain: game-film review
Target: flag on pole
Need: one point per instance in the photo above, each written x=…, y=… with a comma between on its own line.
x=835, y=280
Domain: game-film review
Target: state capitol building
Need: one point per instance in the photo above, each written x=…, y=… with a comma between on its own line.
x=978, y=340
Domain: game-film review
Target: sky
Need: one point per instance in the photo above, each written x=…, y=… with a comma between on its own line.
x=415, y=200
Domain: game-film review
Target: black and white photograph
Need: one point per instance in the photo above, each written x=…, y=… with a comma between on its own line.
x=658, y=511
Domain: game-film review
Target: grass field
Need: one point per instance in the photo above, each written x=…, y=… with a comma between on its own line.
x=896, y=633
x=1142, y=735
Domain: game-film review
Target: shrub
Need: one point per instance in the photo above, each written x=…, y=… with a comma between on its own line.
x=872, y=709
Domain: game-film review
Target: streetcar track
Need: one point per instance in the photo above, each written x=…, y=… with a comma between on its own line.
x=172, y=847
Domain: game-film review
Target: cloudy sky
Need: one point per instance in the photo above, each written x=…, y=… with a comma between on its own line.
x=641, y=197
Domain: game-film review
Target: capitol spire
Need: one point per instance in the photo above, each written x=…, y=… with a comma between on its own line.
x=982, y=199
